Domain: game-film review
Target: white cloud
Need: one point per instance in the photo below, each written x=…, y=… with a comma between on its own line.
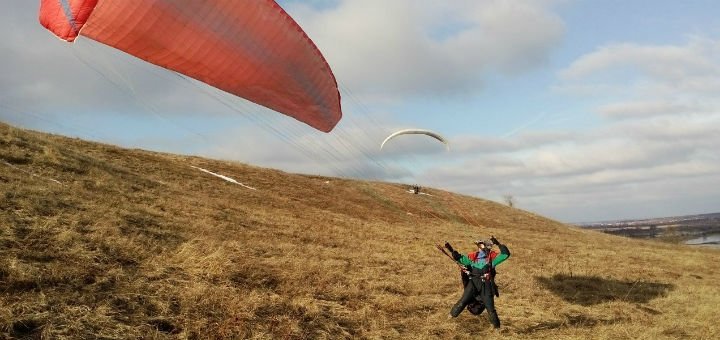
x=670, y=62
x=636, y=109
x=429, y=47
x=656, y=155
x=486, y=144
x=651, y=70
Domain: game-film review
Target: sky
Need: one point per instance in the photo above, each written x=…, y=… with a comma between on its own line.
x=579, y=110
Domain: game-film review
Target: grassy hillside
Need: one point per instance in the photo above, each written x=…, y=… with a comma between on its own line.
x=102, y=242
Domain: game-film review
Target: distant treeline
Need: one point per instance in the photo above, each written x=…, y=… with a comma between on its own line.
x=680, y=221
x=679, y=231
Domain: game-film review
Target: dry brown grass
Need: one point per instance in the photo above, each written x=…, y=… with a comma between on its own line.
x=135, y=244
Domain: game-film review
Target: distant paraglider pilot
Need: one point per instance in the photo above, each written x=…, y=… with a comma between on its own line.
x=416, y=189
x=479, y=279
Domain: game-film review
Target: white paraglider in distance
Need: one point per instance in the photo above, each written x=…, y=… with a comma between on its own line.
x=417, y=132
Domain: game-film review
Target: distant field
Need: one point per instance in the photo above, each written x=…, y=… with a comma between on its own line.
x=676, y=229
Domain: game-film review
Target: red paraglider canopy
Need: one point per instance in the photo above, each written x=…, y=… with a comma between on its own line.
x=252, y=49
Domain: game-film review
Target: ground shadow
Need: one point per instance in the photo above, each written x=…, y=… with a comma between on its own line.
x=591, y=290
x=566, y=320
x=570, y=320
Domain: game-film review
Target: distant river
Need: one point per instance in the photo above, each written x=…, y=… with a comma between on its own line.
x=709, y=239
